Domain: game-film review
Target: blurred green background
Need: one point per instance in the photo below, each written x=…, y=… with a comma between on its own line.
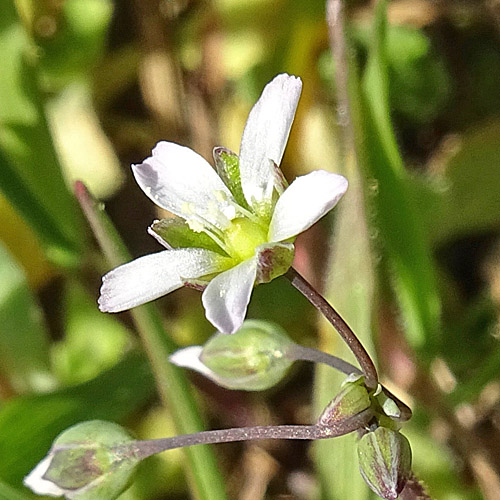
x=411, y=256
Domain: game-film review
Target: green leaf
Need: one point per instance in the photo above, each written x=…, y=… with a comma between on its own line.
x=73, y=50
x=28, y=425
x=462, y=197
x=350, y=290
x=416, y=74
x=24, y=339
x=30, y=174
x=93, y=341
x=401, y=231
x=9, y=493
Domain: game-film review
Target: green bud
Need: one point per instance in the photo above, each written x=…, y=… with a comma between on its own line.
x=385, y=461
x=252, y=359
x=351, y=400
x=86, y=461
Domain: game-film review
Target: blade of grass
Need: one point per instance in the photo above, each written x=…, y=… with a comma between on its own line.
x=400, y=229
x=349, y=285
x=173, y=387
x=30, y=174
x=24, y=348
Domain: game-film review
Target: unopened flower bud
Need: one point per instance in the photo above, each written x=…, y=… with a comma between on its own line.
x=86, y=461
x=385, y=461
x=252, y=359
x=351, y=400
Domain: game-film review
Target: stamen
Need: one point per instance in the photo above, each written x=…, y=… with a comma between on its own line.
x=243, y=212
x=217, y=213
x=200, y=224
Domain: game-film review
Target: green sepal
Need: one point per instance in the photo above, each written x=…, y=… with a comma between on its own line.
x=227, y=165
x=389, y=406
x=349, y=402
x=385, y=461
x=175, y=233
x=252, y=359
x=273, y=260
x=77, y=467
x=89, y=460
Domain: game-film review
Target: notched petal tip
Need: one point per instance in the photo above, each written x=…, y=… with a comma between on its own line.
x=266, y=134
x=286, y=83
x=103, y=300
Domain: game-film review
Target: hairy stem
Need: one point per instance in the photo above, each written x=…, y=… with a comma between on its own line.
x=143, y=449
x=320, y=303
x=297, y=352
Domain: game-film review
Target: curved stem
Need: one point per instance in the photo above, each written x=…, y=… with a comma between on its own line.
x=143, y=449
x=297, y=352
x=320, y=303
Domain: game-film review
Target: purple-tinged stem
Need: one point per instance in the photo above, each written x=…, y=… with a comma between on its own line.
x=297, y=352
x=344, y=330
x=143, y=449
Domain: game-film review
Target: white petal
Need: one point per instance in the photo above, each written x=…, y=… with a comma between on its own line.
x=34, y=480
x=182, y=182
x=189, y=357
x=266, y=134
x=152, y=276
x=227, y=295
x=308, y=198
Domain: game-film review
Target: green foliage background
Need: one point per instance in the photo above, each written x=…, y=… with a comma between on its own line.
x=411, y=257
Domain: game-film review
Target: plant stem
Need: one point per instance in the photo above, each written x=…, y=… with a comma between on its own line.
x=172, y=384
x=297, y=352
x=320, y=303
x=414, y=490
x=144, y=449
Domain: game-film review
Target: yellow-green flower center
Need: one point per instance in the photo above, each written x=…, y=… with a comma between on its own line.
x=243, y=236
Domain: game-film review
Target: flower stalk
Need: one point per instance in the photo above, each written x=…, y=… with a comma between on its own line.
x=297, y=352
x=144, y=449
x=344, y=330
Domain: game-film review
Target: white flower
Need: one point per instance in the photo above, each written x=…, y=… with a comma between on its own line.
x=234, y=227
